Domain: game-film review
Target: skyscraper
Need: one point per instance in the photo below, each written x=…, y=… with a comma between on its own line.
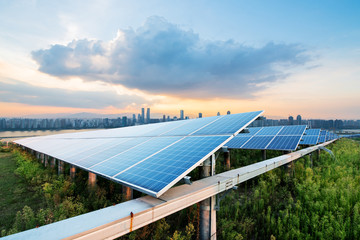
x=200, y=115
x=218, y=113
x=291, y=120
x=298, y=120
x=148, y=115
x=228, y=113
x=181, y=114
x=142, y=115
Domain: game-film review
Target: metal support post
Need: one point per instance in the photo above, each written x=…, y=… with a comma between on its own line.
x=227, y=159
x=92, y=180
x=60, y=167
x=127, y=193
x=311, y=160
x=52, y=162
x=46, y=157
x=207, y=206
x=263, y=154
x=72, y=171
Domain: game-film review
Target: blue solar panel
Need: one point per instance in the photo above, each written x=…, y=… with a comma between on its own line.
x=312, y=131
x=150, y=158
x=128, y=158
x=237, y=142
x=309, y=140
x=267, y=138
x=311, y=137
x=258, y=142
x=284, y=143
x=190, y=126
x=322, y=137
x=293, y=130
x=272, y=131
x=165, y=167
x=229, y=124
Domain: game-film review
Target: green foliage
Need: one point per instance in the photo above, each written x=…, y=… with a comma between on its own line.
x=316, y=203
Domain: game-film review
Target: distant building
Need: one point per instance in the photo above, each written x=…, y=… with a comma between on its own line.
x=164, y=118
x=218, y=113
x=142, y=115
x=187, y=117
x=124, y=121
x=228, y=113
x=298, y=120
x=134, y=119
x=148, y=115
x=181, y=114
x=200, y=115
x=139, y=118
x=291, y=120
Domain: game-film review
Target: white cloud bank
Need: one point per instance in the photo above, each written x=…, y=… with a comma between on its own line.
x=161, y=58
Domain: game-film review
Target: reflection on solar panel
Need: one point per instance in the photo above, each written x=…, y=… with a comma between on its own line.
x=150, y=158
x=311, y=137
x=271, y=138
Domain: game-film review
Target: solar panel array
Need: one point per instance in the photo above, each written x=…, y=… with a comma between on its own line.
x=311, y=137
x=150, y=158
x=285, y=138
x=322, y=137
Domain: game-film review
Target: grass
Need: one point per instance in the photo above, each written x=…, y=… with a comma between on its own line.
x=14, y=193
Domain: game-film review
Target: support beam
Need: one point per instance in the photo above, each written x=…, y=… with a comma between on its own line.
x=263, y=152
x=127, y=193
x=311, y=160
x=92, y=180
x=46, y=158
x=52, y=162
x=60, y=167
x=72, y=171
x=207, y=206
x=227, y=159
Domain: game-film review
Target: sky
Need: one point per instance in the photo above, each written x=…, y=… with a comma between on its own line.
x=115, y=57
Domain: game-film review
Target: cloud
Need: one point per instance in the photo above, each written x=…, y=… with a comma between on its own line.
x=20, y=92
x=161, y=58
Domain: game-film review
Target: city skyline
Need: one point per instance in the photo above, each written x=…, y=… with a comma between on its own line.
x=286, y=58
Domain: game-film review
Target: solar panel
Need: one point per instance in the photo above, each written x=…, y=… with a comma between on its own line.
x=150, y=158
x=287, y=143
x=272, y=138
x=238, y=141
x=258, y=142
x=311, y=137
x=322, y=137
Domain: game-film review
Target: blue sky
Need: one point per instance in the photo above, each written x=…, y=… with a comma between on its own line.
x=286, y=57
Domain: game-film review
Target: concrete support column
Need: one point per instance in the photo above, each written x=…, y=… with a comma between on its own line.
x=60, y=167
x=52, y=162
x=46, y=158
x=42, y=158
x=207, y=206
x=318, y=154
x=127, y=193
x=311, y=160
x=263, y=152
x=92, y=180
x=227, y=159
x=72, y=171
